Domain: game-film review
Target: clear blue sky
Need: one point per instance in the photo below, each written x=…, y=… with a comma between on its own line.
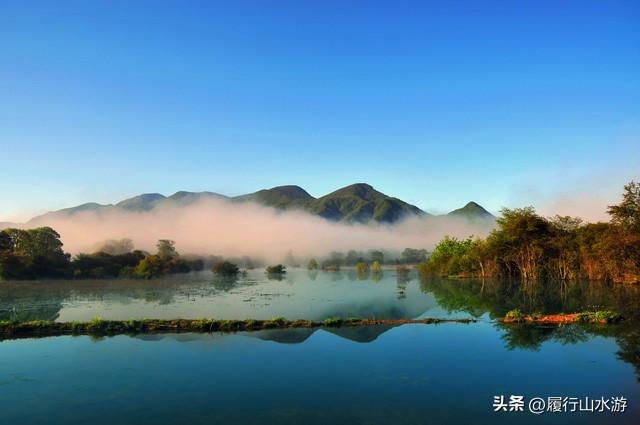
x=435, y=102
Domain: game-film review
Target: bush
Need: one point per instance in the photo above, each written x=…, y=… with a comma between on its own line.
x=362, y=267
x=515, y=315
x=226, y=268
x=376, y=267
x=277, y=269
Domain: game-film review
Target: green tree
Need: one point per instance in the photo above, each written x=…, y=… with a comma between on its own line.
x=627, y=212
x=376, y=267
x=312, y=265
x=33, y=253
x=167, y=249
x=226, y=268
x=524, y=235
x=378, y=256
x=277, y=269
x=413, y=256
x=362, y=267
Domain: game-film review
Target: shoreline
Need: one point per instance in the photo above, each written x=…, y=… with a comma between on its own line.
x=100, y=327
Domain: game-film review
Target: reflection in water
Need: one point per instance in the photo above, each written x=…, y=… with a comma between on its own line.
x=412, y=374
x=297, y=294
x=494, y=298
x=318, y=295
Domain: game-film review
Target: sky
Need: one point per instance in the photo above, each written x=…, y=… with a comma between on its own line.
x=437, y=103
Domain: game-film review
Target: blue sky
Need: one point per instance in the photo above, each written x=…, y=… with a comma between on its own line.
x=438, y=103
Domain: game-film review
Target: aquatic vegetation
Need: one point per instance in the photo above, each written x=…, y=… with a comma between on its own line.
x=604, y=316
x=332, y=322
x=514, y=315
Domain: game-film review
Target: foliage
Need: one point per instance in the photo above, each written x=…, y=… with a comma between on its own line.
x=528, y=246
x=376, y=256
x=413, y=256
x=103, y=265
x=226, y=268
x=362, y=267
x=312, y=265
x=277, y=269
x=32, y=254
x=376, y=267
x=514, y=315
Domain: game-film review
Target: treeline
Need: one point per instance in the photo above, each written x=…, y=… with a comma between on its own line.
x=373, y=258
x=528, y=246
x=37, y=253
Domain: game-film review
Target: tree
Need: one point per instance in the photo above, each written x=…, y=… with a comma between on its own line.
x=312, y=265
x=413, y=256
x=166, y=249
x=627, y=212
x=150, y=266
x=226, y=268
x=376, y=267
x=277, y=269
x=624, y=235
x=115, y=246
x=524, y=235
x=378, y=256
x=33, y=253
x=362, y=267
x=563, y=245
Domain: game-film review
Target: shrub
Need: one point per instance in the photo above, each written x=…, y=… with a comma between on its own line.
x=226, y=268
x=277, y=269
x=362, y=267
x=515, y=315
x=312, y=265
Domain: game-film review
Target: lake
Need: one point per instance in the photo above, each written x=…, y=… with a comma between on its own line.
x=411, y=374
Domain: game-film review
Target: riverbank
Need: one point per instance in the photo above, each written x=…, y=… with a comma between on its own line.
x=11, y=329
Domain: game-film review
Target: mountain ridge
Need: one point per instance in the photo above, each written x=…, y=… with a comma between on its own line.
x=355, y=203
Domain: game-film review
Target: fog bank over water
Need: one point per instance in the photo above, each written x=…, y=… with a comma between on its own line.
x=224, y=228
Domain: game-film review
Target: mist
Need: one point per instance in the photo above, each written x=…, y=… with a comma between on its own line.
x=219, y=227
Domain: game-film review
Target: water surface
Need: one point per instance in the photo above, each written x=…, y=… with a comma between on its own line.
x=412, y=374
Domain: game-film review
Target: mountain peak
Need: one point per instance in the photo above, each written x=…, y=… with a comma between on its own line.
x=472, y=211
x=292, y=191
x=360, y=202
x=360, y=190
x=280, y=197
x=144, y=202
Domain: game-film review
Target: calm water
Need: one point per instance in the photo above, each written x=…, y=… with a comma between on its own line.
x=412, y=374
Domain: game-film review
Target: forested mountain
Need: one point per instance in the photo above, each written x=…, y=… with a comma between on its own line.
x=357, y=203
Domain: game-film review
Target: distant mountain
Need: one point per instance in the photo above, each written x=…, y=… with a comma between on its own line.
x=281, y=197
x=357, y=203
x=144, y=202
x=472, y=211
x=362, y=203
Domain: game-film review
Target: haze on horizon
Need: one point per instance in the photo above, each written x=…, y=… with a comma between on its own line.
x=506, y=104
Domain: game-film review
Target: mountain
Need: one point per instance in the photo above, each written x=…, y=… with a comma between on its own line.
x=357, y=203
x=144, y=202
x=281, y=197
x=472, y=211
x=186, y=198
x=361, y=203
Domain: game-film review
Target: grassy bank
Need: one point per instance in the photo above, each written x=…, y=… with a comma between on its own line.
x=603, y=316
x=11, y=329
